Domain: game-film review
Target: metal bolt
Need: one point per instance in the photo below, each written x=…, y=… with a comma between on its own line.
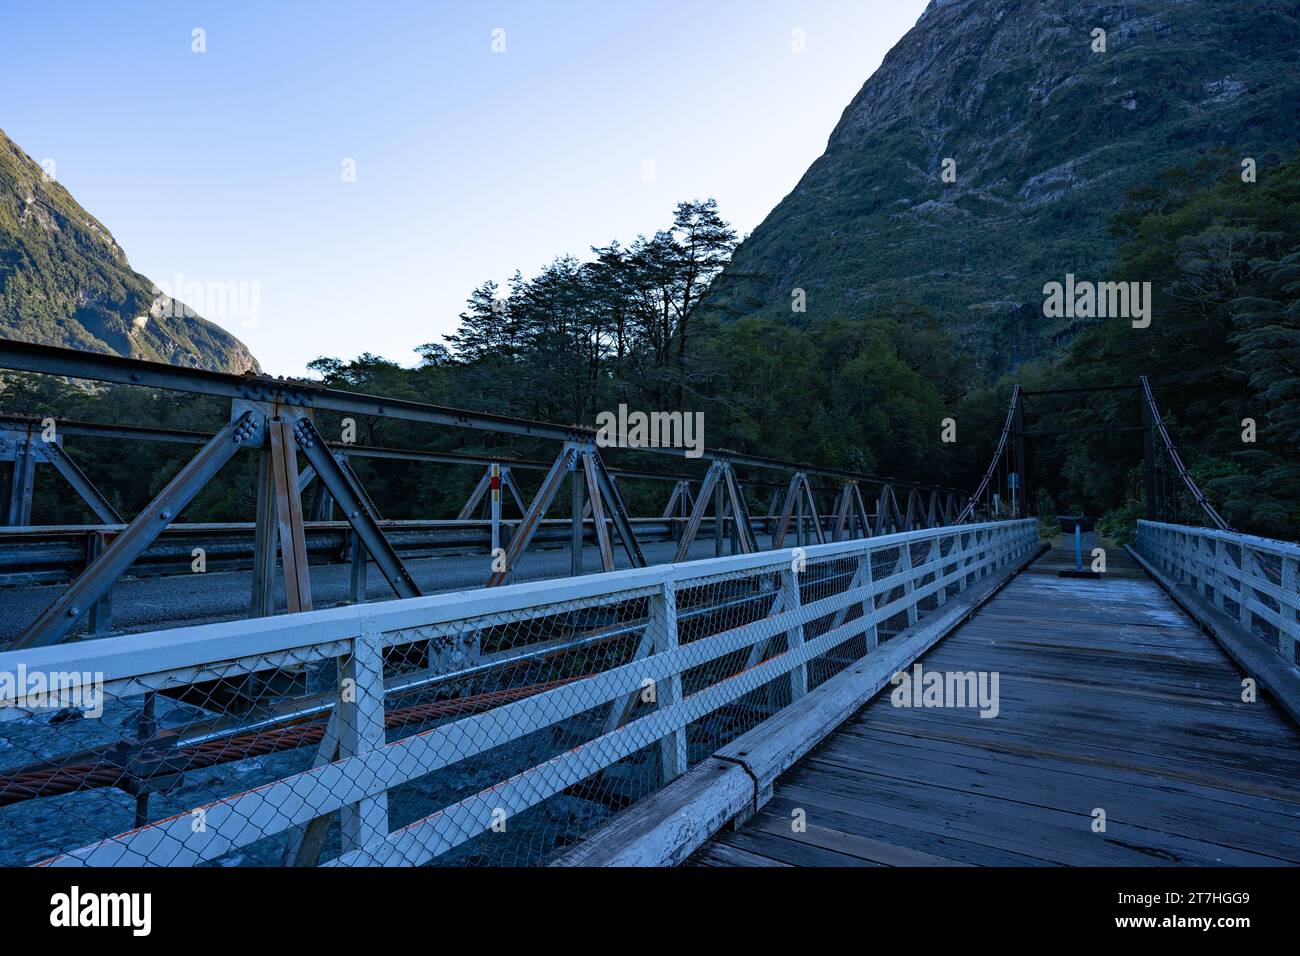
x=74, y=611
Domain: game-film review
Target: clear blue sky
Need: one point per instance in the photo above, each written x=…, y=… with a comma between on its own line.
x=226, y=166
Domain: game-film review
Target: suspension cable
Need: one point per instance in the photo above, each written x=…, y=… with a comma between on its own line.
x=1176, y=460
x=997, y=457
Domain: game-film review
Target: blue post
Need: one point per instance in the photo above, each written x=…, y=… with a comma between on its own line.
x=1078, y=547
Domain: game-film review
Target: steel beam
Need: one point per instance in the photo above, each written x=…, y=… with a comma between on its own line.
x=914, y=511
x=851, y=513
x=94, y=366
x=564, y=463
x=597, y=510
x=790, y=500
x=22, y=481
x=476, y=497
x=288, y=512
x=617, y=508
x=101, y=612
x=797, y=494
x=266, y=534
x=889, y=519
x=61, y=617
x=743, y=528
x=577, y=514
x=697, y=512
x=346, y=489
x=82, y=485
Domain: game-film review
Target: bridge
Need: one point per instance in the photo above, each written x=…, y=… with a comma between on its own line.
x=766, y=706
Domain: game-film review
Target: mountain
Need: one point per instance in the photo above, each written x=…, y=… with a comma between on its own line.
x=1048, y=137
x=65, y=281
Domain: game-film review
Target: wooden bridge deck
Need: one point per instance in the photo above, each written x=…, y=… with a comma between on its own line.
x=1111, y=698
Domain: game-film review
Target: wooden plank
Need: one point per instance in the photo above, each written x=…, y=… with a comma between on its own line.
x=1272, y=673
x=773, y=746
x=1109, y=697
x=793, y=852
x=1209, y=789
x=850, y=844
x=1169, y=811
x=1060, y=836
x=844, y=814
x=654, y=829
x=720, y=854
x=1085, y=746
x=670, y=824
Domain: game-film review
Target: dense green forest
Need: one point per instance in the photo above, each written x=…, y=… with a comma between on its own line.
x=640, y=324
x=1223, y=256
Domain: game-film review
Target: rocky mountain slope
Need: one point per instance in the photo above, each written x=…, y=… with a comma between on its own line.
x=65, y=281
x=1047, y=135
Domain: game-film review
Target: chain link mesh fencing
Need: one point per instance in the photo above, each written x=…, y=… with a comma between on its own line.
x=1254, y=580
x=494, y=727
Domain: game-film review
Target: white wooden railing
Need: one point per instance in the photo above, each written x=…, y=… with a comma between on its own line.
x=604, y=686
x=1252, y=579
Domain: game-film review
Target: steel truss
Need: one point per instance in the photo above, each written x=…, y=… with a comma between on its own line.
x=274, y=418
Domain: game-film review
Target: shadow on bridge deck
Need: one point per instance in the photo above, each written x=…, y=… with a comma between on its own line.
x=1110, y=699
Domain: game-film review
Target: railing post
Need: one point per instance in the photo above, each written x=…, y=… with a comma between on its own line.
x=936, y=555
x=1243, y=588
x=791, y=602
x=905, y=564
x=869, y=604
x=361, y=729
x=1289, y=633
x=663, y=628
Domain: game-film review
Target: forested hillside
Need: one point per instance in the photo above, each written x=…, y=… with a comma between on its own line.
x=988, y=152
x=637, y=324
x=65, y=281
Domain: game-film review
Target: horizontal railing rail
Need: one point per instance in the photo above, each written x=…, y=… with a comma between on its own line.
x=1255, y=580
x=56, y=554
x=489, y=726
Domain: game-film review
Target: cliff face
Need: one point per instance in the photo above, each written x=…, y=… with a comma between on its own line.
x=65, y=281
x=1047, y=136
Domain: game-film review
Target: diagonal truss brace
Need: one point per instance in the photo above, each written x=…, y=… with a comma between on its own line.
x=564, y=464
x=850, y=514
x=61, y=617
x=797, y=495
x=479, y=497
x=719, y=477
x=599, y=479
x=889, y=519
x=349, y=495
x=579, y=462
x=288, y=515
x=680, y=501
x=53, y=453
